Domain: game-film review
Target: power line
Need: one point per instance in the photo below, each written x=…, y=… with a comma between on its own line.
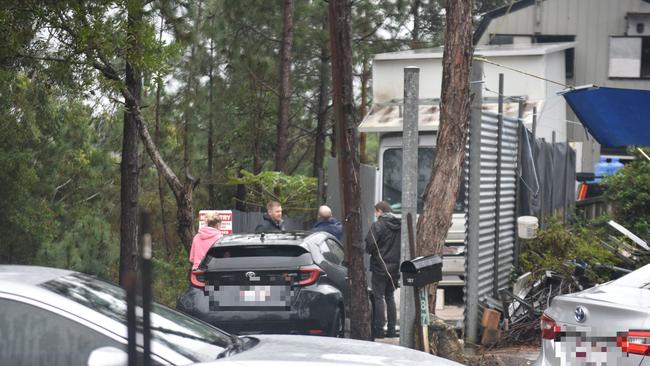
x=483, y=59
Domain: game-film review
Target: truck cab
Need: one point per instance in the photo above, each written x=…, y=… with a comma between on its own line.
x=389, y=188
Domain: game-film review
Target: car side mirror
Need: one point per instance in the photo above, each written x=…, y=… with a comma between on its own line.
x=108, y=356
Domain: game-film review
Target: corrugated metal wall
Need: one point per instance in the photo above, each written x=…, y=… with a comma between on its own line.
x=495, y=257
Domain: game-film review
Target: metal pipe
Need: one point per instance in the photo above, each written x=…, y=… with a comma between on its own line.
x=145, y=258
x=409, y=195
x=534, y=123
x=552, y=208
x=565, y=194
x=497, y=211
x=520, y=127
x=130, y=285
x=472, y=307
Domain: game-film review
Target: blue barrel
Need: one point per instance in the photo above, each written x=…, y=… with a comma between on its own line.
x=601, y=169
x=615, y=166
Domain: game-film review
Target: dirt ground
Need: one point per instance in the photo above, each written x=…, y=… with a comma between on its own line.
x=506, y=356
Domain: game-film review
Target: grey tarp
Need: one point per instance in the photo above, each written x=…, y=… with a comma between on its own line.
x=547, y=176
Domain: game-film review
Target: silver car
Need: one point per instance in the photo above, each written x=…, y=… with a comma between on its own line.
x=608, y=324
x=58, y=317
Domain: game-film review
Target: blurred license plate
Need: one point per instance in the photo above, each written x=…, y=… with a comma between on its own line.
x=256, y=297
x=255, y=294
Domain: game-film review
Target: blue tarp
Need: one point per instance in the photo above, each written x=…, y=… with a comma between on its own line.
x=614, y=117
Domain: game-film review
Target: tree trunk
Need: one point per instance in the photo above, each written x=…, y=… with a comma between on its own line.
x=240, y=193
x=439, y=196
x=182, y=193
x=323, y=101
x=211, y=191
x=365, y=75
x=129, y=164
x=415, y=34
x=161, y=187
x=285, y=89
x=340, y=15
x=190, y=95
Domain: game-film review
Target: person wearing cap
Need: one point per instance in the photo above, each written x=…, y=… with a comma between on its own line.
x=204, y=239
x=328, y=223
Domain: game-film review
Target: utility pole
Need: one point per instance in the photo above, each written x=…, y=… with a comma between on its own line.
x=474, y=197
x=409, y=196
x=340, y=24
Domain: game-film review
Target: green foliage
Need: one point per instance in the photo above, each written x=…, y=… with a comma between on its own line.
x=87, y=245
x=297, y=193
x=558, y=244
x=629, y=192
x=171, y=277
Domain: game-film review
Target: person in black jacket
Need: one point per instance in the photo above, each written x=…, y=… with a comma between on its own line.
x=327, y=223
x=272, y=219
x=383, y=244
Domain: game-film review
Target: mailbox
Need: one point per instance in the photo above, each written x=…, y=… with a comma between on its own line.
x=421, y=271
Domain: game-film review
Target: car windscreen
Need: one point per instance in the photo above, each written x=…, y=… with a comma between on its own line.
x=392, y=178
x=637, y=279
x=191, y=338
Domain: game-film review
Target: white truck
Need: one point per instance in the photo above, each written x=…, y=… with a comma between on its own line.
x=388, y=187
x=385, y=118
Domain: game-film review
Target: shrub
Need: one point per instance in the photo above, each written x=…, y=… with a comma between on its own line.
x=559, y=244
x=629, y=193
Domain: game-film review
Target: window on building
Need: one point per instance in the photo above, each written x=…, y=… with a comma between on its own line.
x=629, y=57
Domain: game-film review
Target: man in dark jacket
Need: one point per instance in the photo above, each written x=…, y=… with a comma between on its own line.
x=327, y=223
x=272, y=219
x=383, y=244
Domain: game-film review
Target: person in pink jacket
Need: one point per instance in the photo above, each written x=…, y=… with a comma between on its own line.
x=204, y=239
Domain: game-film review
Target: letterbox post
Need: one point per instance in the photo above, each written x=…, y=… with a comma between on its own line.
x=421, y=298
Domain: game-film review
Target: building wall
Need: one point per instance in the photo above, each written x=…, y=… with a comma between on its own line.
x=388, y=84
x=592, y=22
x=553, y=115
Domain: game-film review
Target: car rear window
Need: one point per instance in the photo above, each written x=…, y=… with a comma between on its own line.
x=257, y=251
x=234, y=257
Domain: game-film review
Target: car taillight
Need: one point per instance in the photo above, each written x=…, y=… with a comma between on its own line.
x=308, y=275
x=635, y=341
x=197, y=278
x=549, y=327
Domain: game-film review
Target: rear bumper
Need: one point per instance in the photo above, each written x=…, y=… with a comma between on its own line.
x=311, y=310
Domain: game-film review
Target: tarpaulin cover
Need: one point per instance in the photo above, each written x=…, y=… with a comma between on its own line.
x=614, y=117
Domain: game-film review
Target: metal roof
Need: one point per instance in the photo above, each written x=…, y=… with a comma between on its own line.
x=530, y=49
x=387, y=117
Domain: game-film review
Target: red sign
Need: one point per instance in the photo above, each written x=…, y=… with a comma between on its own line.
x=225, y=226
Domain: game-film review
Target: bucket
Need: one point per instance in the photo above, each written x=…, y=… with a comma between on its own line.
x=527, y=227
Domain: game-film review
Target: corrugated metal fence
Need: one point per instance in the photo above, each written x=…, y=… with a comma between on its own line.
x=490, y=212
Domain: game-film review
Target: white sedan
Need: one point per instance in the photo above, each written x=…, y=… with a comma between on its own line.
x=56, y=317
x=608, y=324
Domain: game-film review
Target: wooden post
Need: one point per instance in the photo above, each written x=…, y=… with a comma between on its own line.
x=421, y=297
